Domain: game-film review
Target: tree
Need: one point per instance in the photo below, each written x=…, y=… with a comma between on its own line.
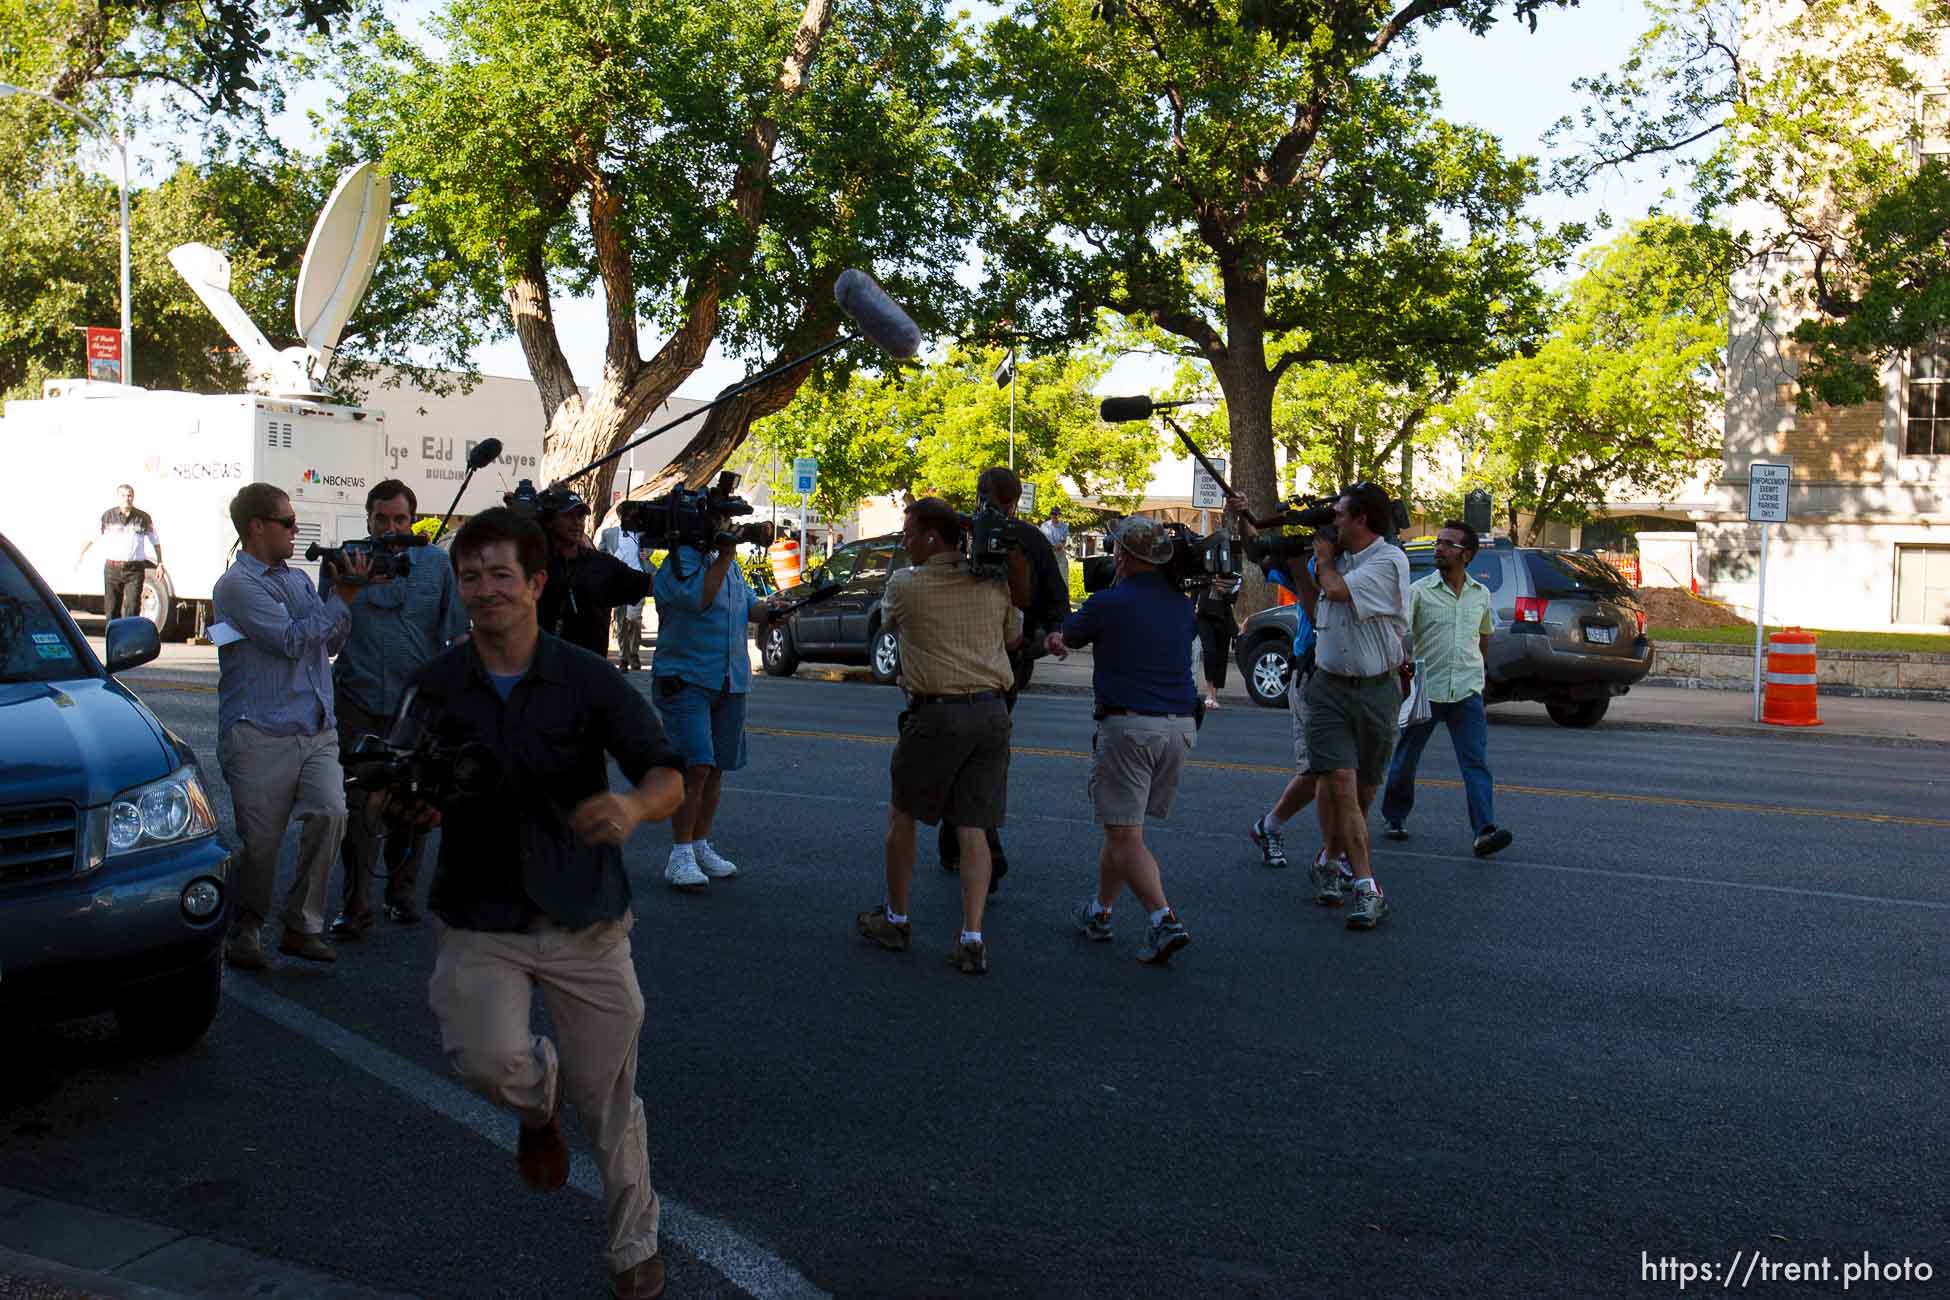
x=1798, y=126
x=933, y=431
x=699, y=162
x=1265, y=182
x=1625, y=393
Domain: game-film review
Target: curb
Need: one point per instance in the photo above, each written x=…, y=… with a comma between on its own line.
x=81, y=1281
x=1843, y=690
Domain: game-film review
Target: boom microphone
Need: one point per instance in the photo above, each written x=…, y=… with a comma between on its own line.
x=484, y=453
x=1119, y=410
x=879, y=317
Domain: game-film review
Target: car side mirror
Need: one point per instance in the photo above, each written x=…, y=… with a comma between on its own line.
x=130, y=643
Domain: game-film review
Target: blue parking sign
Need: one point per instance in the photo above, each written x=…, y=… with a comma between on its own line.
x=805, y=475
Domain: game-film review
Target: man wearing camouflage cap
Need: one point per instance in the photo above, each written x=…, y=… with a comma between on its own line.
x=1143, y=629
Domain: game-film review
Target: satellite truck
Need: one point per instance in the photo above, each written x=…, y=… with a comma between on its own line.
x=186, y=454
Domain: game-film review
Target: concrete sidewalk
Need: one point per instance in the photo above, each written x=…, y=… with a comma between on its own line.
x=1647, y=708
x=51, y=1250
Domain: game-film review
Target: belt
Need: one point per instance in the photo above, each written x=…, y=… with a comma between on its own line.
x=1375, y=680
x=1119, y=711
x=974, y=697
x=127, y=564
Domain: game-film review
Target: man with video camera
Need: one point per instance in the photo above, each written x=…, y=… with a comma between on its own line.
x=530, y=886
x=277, y=738
x=956, y=629
x=584, y=583
x=398, y=624
x=1357, y=599
x=1147, y=703
x=701, y=677
x=1037, y=587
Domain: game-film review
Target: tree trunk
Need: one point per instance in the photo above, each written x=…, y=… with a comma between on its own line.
x=631, y=391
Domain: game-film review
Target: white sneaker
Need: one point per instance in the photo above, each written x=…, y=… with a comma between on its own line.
x=683, y=874
x=715, y=865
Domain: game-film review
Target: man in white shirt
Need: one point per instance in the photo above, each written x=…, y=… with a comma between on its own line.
x=627, y=547
x=127, y=543
x=1360, y=608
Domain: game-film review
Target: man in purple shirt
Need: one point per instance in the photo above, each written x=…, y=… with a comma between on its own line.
x=277, y=736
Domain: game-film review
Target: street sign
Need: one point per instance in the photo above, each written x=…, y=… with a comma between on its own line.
x=805, y=475
x=1206, y=492
x=1767, y=493
x=1028, y=501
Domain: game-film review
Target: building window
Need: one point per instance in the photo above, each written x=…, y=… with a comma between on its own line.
x=1928, y=391
x=1933, y=124
x=1923, y=585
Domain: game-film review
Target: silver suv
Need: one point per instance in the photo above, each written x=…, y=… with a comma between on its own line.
x=1570, y=632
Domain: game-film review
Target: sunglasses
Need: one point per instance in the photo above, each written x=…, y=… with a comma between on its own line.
x=289, y=522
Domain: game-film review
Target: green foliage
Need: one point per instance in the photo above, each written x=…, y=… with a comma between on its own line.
x=1624, y=394
x=931, y=431
x=1264, y=184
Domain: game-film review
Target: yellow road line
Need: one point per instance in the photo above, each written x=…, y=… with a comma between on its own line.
x=1541, y=791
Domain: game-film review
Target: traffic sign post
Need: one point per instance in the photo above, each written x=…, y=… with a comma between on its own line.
x=1767, y=504
x=805, y=481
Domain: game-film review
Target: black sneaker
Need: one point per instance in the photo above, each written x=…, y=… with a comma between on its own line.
x=1394, y=830
x=1494, y=839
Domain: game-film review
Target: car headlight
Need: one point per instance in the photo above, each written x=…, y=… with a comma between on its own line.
x=162, y=812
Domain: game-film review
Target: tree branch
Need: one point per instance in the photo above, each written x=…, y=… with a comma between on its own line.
x=534, y=322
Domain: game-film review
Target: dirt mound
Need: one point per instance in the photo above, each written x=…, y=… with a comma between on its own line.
x=1672, y=607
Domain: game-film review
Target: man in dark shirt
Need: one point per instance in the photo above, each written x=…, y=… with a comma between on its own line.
x=584, y=583
x=1037, y=587
x=1146, y=726
x=530, y=882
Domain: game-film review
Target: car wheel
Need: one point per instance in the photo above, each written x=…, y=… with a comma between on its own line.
x=170, y=1015
x=1578, y=713
x=1267, y=674
x=776, y=651
x=885, y=657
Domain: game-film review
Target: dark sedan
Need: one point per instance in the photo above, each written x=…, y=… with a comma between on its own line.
x=114, y=887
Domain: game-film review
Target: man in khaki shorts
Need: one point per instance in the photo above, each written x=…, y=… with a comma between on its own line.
x=1358, y=601
x=1143, y=630
x=952, y=758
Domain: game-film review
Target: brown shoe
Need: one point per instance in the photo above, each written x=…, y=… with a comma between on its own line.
x=874, y=925
x=350, y=925
x=973, y=958
x=403, y=914
x=643, y=1281
x=244, y=949
x=312, y=947
x=543, y=1158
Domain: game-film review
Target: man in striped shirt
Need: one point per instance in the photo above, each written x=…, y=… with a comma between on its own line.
x=277, y=735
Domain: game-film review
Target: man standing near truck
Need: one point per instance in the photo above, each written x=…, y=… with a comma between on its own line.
x=127, y=541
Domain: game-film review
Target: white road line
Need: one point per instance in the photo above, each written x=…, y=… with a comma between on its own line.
x=743, y=1262
x=1614, y=873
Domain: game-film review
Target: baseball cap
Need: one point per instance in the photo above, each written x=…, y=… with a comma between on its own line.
x=1145, y=538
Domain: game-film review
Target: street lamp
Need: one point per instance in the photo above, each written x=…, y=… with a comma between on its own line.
x=122, y=150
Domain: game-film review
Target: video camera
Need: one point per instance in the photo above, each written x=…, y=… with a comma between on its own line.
x=1315, y=514
x=1195, y=561
x=414, y=765
x=989, y=542
x=541, y=505
x=386, y=552
x=682, y=517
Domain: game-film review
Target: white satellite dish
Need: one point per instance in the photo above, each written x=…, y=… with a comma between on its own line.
x=339, y=261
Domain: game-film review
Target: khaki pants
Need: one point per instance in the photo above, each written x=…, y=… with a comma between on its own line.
x=272, y=780
x=481, y=992
x=629, y=634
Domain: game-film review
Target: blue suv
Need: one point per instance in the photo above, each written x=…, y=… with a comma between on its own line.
x=114, y=886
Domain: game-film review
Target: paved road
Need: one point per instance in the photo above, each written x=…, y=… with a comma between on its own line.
x=1700, y=1007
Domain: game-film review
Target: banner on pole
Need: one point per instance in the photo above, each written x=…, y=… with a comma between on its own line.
x=104, y=355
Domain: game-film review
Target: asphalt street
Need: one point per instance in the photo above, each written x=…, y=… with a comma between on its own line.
x=1700, y=1007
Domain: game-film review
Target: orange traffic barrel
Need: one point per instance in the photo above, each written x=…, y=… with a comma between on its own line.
x=1789, y=700
x=784, y=555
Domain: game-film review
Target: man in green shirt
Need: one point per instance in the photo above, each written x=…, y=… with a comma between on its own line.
x=1449, y=629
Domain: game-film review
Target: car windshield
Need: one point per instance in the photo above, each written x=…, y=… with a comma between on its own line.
x=840, y=567
x=35, y=644
x=1566, y=573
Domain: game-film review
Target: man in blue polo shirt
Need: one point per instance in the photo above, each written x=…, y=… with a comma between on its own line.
x=1143, y=629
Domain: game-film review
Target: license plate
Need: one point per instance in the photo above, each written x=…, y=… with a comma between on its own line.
x=1601, y=635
